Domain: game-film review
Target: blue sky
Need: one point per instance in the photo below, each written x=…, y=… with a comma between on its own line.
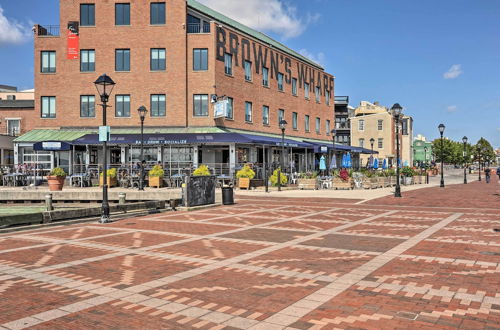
x=439, y=59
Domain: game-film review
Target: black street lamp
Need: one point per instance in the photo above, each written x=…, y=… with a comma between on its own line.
x=283, y=124
x=104, y=85
x=396, y=112
x=441, y=131
x=142, y=114
x=425, y=166
x=333, y=132
x=479, y=161
x=372, y=141
x=464, y=140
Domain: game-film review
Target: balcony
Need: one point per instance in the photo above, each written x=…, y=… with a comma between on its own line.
x=47, y=31
x=342, y=100
x=198, y=28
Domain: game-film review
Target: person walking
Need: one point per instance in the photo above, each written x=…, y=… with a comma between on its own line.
x=498, y=173
x=487, y=173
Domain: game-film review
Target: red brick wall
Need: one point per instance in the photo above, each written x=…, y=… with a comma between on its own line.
x=25, y=114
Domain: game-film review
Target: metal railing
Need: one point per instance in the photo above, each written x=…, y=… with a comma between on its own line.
x=49, y=30
x=198, y=28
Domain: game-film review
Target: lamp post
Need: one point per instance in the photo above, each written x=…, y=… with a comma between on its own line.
x=372, y=141
x=425, y=166
x=283, y=127
x=333, y=132
x=142, y=114
x=396, y=112
x=464, y=140
x=479, y=161
x=104, y=85
x=441, y=128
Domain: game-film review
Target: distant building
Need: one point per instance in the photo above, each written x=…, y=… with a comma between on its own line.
x=422, y=151
x=11, y=93
x=373, y=121
x=343, y=112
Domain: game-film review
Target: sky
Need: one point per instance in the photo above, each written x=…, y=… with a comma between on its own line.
x=439, y=59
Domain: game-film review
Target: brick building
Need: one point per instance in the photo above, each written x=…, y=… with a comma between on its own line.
x=178, y=58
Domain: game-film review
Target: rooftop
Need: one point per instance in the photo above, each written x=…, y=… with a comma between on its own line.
x=249, y=31
x=17, y=104
x=7, y=88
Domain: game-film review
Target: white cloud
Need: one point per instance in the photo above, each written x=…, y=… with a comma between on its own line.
x=453, y=72
x=264, y=15
x=12, y=32
x=452, y=108
x=319, y=58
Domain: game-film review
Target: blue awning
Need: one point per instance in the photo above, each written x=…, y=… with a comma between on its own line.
x=51, y=146
x=320, y=147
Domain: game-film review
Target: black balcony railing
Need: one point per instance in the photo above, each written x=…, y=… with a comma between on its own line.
x=342, y=99
x=49, y=30
x=198, y=28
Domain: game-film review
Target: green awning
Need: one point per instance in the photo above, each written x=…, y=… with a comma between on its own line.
x=40, y=135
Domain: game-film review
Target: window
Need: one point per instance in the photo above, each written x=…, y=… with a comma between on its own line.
x=327, y=98
x=306, y=91
x=200, y=106
x=200, y=59
x=87, y=106
x=306, y=123
x=248, y=112
x=280, y=81
x=157, y=13
x=361, y=143
x=265, y=115
x=380, y=124
x=158, y=59
x=229, y=114
x=317, y=94
x=404, y=126
x=87, y=14
x=228, y=64
x=281, y=115
x=87, y=60
x=13, y=127
x=318, y=125
x=248, y=71
x=48, y=62
x=122, y=106
x=380, y=143
x=48, y=107
x=294, y=120
x=122, y=60
x=158, y=105
x=294, y=86
x=122, y=13
x=196, y=25
x=327, y=127
x=361, y=125
x=265, y=77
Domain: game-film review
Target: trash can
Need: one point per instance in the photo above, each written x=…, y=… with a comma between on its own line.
x=227, y=196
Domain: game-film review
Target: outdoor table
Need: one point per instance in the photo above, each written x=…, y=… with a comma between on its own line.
x=177, y=179
x=222, y=179
x=79, y=179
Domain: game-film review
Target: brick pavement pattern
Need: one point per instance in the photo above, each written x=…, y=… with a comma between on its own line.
x=428, y=260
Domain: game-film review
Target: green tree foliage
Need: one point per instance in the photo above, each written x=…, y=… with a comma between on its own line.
x=453, y=151
x=484, y=152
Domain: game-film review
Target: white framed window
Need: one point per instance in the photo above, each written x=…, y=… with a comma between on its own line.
x=248, y=71
x=48, y=61
x=361, y=143
x=87, y=106
x=281, y=115
x=13, y=126
x=48, y=107
x=265, y=115
x=248, y=112
x=361, y=125
x=306, y=91
x=265, y=77
x=228, y=64
x=380, y=143
x=380, y=124
x=280, y=82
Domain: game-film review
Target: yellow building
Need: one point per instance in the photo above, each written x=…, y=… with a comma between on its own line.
x=373, y=121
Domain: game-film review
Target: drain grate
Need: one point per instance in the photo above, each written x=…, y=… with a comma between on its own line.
x=497, y=230
x=489, y=253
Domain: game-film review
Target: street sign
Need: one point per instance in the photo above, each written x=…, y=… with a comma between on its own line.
x=220, y=108
x=104, y=133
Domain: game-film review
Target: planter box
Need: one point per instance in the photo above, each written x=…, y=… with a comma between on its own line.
x=56, y=183
x=244, y=183
x=338, y=183
x=254, y=183
x=111, y=181
x=383, y=181
x=423, y=179
x=392, y=181
x=407, y=180
x=308, y=184
x=155, y=181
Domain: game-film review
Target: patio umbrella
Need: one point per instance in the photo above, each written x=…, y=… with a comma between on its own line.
x=375, y=164
x=348, y=160
x=384, y=164
x=399, y=163
x=322, y=163
x=343, y=161
x=369, y=164
x=333, y=162
x=406, y=163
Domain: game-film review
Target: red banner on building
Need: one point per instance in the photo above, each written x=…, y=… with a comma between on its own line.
x=73, y=41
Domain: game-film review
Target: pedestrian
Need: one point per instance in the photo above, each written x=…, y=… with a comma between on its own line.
x=487, y=173
x=498, y=173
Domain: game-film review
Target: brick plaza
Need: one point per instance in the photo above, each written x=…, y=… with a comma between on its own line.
x=429, y=260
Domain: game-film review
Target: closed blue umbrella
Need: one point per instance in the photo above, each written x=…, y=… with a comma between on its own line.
x=406, y=163
x=333, y=162
x=369, y=164
x=343, y=161
x=384, y=164
x=322, y=163
x=399, y=163
x=348, y=160
x=375, y=163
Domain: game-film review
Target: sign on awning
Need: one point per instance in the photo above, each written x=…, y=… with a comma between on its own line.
x=52, y=146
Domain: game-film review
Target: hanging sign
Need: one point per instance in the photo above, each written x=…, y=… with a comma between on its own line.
x=220, y=109
x=104, y=133
x=73, y=41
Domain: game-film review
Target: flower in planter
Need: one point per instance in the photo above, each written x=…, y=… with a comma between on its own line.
x=344, y=174
x=274, y=178
x=202, y=170
x=59, y=172
x=156, y=172
x=245, y=172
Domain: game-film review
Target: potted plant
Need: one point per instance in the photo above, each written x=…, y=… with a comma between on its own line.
x=343, y=180
x=56, y=179
x=202, y=170
x=308, y=180
x=156, y=176
x=407, y=173
x=111, y=177
x=244, y=176
x=274, y=178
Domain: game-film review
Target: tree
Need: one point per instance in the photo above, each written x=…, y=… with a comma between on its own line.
x=451, y=151
x=483, y=151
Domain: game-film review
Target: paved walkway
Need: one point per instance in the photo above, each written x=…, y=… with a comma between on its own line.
x=266, y=263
